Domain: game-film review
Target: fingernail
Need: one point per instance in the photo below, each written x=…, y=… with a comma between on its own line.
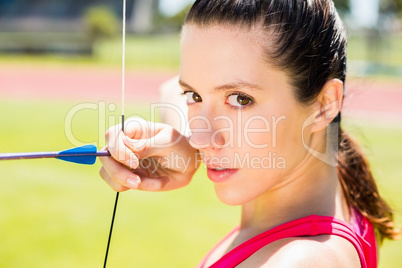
x=133, y=183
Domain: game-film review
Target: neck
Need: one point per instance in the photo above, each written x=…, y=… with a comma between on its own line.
x=304, y=192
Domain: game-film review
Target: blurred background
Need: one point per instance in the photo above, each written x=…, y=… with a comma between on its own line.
x=60, y=83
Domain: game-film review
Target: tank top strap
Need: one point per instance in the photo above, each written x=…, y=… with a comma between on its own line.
x=202, y=263
x=308, y=226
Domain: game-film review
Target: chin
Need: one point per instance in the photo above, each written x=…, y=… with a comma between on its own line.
x=231, y=197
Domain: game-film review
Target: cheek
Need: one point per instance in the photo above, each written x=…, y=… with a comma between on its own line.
x=289, y=141
x=265, y=167
x=261, y=132
x=276, y=140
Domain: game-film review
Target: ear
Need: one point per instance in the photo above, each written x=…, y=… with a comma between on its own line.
x=328, y=104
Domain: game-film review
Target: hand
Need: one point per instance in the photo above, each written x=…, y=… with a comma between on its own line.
x=148, y=156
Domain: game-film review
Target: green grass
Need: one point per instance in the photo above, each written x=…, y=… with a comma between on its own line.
x=155, y=52
x=383, y=148
x=162, y=52
x=380, y=60
x=388, y=49
x=57, y=214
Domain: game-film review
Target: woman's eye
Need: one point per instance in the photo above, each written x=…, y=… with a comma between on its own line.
x=238, y=100
x=192, y=97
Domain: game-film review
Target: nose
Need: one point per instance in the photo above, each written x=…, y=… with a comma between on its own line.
x=206, y=132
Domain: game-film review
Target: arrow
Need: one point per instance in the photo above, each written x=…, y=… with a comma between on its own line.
x=85, y=155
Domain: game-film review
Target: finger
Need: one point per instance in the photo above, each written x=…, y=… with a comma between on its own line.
x=114, y=185
x=114, y=145
x=130, y=146
x=163, y=183
x=119, y=150
x=171, y=162
x=137, y=128
x=158, y=145
x=153, y=184
x=147, y=183
x=111, y=135
x=119, y=173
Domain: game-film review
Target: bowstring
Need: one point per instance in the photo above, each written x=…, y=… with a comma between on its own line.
x=123, y=60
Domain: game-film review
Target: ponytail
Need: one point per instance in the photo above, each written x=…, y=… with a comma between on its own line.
x=360, y=188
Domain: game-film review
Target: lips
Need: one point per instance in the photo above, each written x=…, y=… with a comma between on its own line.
x=218, y=173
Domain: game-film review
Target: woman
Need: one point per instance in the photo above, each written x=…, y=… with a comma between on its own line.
x=264, y=82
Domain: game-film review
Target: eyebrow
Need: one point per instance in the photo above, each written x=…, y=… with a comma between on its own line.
x=234, y=85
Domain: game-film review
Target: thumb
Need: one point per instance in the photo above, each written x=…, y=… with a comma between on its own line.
x=158, y=145
x=140, y=147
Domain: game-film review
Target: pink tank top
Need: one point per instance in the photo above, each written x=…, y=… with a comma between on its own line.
x=359, y=232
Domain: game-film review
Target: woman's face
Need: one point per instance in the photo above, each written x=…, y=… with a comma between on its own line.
x=244, y=118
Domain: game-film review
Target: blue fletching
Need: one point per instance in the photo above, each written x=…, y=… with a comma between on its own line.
x=81, y=155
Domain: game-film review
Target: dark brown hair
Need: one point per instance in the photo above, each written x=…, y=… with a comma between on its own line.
x=310, y=46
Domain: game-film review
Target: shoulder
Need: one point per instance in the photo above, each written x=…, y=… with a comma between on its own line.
x=305, y=253
x=317, y=251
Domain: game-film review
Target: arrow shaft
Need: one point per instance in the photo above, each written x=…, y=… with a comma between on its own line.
x=35, y=155
x=38, y=155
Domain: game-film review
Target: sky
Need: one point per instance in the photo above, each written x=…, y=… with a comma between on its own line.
x=171, y=7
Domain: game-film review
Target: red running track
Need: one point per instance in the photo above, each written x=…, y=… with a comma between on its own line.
x=367, y=99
